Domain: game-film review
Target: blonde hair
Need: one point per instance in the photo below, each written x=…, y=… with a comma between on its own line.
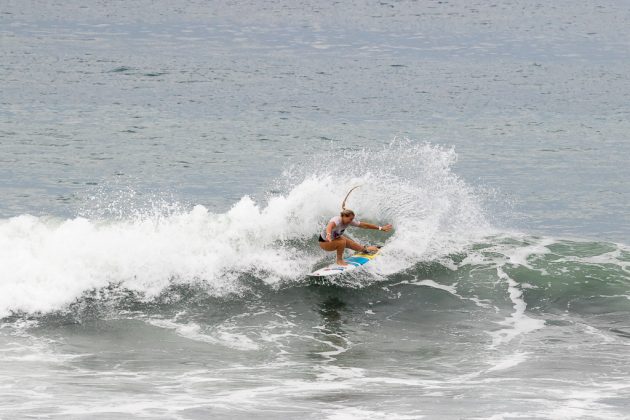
x=347, y=212
x=343, y=205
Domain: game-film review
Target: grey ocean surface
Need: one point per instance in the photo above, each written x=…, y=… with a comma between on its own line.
x=165, y=168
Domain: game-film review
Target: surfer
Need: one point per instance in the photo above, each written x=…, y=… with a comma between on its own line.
x=333, y=239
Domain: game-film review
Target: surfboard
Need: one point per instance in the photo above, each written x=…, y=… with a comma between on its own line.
x=355, y=261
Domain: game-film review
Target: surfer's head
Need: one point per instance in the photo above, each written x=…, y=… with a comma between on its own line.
x=347, y=215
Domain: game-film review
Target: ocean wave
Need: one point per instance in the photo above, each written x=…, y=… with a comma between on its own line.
x=46, y=264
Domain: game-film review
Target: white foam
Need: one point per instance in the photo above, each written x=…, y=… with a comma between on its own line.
x=613, y=257
x=506, y=416
x=450, y=289
x=505, y=251
x=46, y=264
x=351, y=413
x=25, y=347
x=606, y=338
x=518, y=322
x=332, y=372
x=509, y=361
x=338, y=344
x=521, y=255
x=584, y=402
x=217, y=335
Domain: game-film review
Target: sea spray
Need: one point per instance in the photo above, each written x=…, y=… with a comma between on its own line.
x=46, y=263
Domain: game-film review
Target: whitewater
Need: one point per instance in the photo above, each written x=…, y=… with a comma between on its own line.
x=49, y=263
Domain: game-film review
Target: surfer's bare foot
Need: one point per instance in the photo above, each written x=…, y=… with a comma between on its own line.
x=342, y=262
x=372, y=248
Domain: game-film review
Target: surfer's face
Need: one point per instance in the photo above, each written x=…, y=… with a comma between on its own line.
x=347, y=219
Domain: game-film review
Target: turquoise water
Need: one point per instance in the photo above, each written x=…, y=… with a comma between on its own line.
x=165, y=169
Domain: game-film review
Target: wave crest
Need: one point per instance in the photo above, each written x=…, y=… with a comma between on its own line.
x=47, y=263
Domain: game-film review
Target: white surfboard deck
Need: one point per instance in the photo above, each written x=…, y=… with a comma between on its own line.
x=354, y=262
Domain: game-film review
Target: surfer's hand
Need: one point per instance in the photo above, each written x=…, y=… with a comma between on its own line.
x=386, y=228
x=328, y=238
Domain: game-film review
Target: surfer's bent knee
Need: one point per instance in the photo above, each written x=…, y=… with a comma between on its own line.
x=333, y=245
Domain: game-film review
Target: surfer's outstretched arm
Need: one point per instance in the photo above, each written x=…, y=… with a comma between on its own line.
x=385, y=228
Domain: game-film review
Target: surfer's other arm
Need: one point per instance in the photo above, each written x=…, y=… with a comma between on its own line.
x=329, y=229
x=385, y=228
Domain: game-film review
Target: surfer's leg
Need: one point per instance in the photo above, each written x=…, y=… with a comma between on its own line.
x=341, y=246
x=338, y=245
x=356, y=246
x=352, y=244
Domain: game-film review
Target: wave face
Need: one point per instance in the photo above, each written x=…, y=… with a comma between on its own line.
x=46, y=263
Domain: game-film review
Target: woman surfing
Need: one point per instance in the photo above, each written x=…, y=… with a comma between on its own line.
x=332, y=237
